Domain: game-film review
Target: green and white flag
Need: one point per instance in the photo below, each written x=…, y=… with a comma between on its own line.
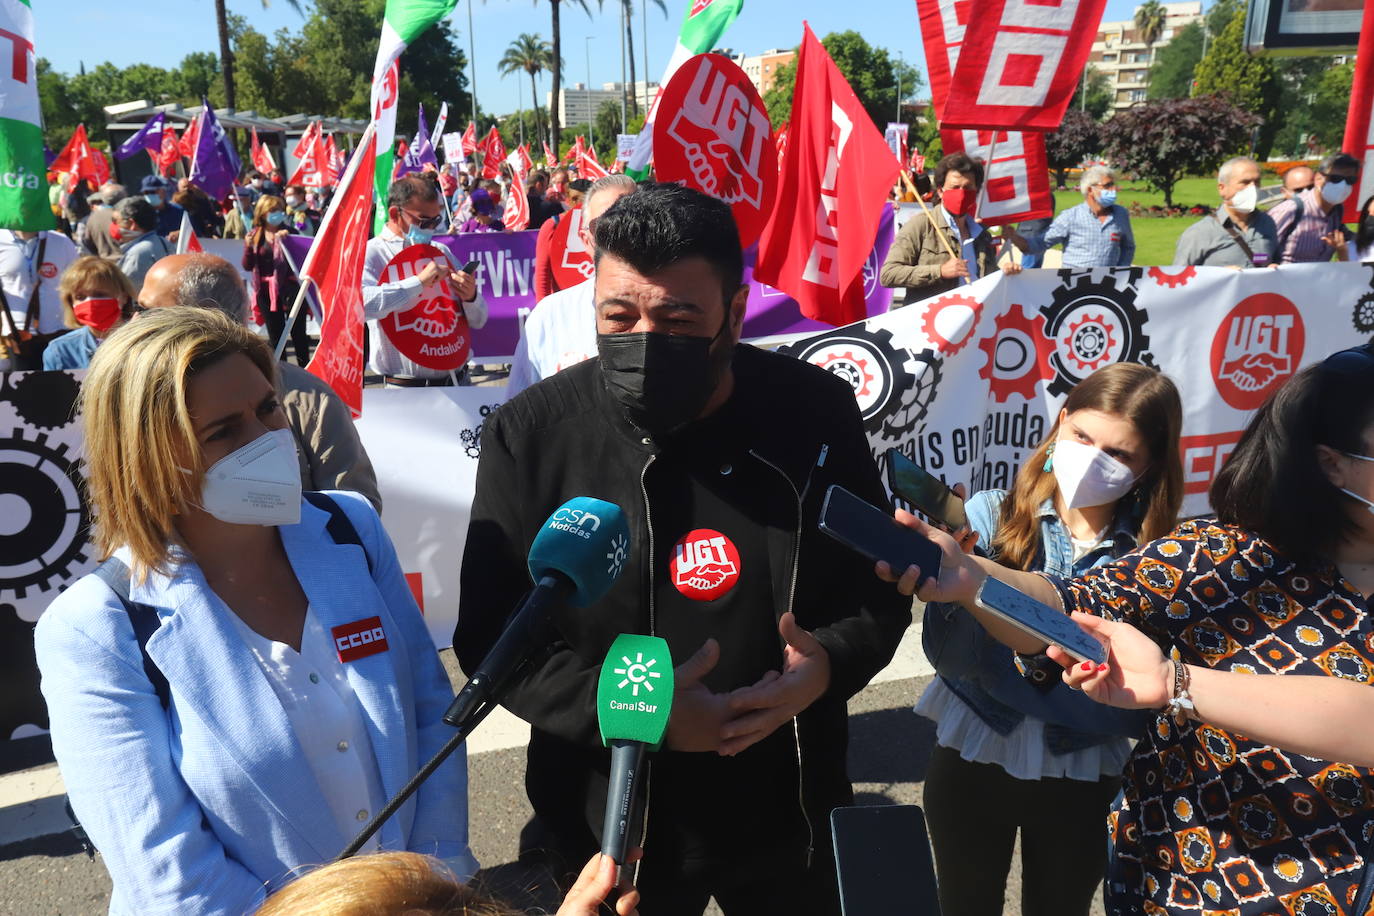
x=402, y=23
x=23, y=185
x=705, y=22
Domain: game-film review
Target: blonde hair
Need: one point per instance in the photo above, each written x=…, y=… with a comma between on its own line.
x=1149, y=400
x=144, y=462
x=382, y=884
x=86, y=273
x=267, y=203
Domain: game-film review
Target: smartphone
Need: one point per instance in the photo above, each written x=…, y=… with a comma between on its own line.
x=913, y=484
x=865, y=528
x=470, y=268
x=1039, y=620
x=883, y=860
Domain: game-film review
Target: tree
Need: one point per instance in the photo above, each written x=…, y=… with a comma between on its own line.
x=1171, y=75
x=226, y=54
x=1150, y=17
x=1251, y=82
x=1331, y=103
x=1098, y=95
x=629, y=7
x=1078, y=137
x=556, y=70
x=605, y=126
x=1163, y=141
x=531, y=54
x=871, y=72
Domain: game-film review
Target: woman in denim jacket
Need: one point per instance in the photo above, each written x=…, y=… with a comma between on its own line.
x=1015, y=748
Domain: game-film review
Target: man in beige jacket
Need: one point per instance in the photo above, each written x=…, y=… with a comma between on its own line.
x=920, y=260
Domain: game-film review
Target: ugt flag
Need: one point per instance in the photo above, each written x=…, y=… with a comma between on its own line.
x=831, y=190
x=261, y=156
x=1359, y=119
x=402, y=23
x=705, y=22
x=23, y=184
x=335, y=266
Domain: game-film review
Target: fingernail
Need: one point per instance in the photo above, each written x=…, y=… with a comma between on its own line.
x=1102, y=667
x=1087, y=666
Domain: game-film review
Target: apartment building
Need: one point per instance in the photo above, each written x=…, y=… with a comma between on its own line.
x=578, y=104
x=762, y=69
x=1120, y=53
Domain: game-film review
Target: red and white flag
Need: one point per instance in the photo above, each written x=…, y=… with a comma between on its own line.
x=1015, y=183
x=516, y=215
x=780, y=143
x=526, y=163
x=1359, y=120
x=313, y=160
x=831, y=192
x=470, y=139
x=550, y=158
x=165, y=160
x=186, y=235
x=333, y=160
x=335, y=266
x=1020, y=63
x=190, y=137
x=578, y=148
x=495, y=154
x=589, y=167
x=261, y=156
x=80, y=161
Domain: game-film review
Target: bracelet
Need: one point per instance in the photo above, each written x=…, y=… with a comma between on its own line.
x=1181, y=702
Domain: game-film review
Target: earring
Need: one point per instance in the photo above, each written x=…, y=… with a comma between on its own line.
x=1049, y=459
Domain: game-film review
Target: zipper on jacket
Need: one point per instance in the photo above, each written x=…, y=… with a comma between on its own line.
x=649, y=524
x=820, y=463
x=791, y=596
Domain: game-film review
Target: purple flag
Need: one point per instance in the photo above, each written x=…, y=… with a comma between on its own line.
x=149, y=137
x=49, y=157
x=422, y=151
x=215, y=165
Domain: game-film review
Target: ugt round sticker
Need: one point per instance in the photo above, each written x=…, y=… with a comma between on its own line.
x=719, y=140
x=435, y=332
x=705, y=565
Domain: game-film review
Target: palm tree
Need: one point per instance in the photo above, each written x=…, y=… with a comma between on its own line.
x=556, y=65
x=1149, y=23
x=629, y=6
x=531, y=54
x=226, y=55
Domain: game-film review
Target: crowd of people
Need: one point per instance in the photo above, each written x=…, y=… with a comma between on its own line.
x=219, y=741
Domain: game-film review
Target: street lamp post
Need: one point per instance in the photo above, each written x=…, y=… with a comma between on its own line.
x=587, y=91
x=623, y=87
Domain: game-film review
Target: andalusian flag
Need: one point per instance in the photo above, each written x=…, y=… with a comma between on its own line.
x=23, y=176
x=403, y=22
x=706, y=21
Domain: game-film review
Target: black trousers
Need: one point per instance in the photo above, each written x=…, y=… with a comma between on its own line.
x=974, y=810
x=300, y=337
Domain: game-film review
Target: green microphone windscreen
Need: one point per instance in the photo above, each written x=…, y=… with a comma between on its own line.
x=635, y=694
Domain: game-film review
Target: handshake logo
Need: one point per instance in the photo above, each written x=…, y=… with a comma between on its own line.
x=1257, y=347
x=722, y=136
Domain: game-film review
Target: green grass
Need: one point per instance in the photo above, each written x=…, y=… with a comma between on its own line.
x=1155, y=237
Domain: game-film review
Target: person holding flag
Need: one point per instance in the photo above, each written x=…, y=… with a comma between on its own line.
x=414, y=214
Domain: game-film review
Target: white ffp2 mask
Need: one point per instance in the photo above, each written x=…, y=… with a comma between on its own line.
x=258, y=484
x=1244, y=200
x=1335, y=192
x=1088, y=476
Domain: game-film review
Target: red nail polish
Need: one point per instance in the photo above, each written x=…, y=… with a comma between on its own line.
x=1087, y=666
x=1102, y=667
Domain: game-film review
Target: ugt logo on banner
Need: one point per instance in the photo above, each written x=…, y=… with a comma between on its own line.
x=719, y=140
x=1257, y=348
x=435, y=332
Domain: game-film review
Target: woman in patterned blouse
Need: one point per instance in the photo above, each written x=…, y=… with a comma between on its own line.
x=1279, y=582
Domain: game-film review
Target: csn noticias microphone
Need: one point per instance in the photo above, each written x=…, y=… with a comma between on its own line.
x=575, y=558
x=633, y=701
x=577, y=555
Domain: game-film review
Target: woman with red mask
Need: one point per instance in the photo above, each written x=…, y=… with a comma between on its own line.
x=96, y=299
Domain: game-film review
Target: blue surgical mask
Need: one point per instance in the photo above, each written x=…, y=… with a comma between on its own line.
x=154, y=199
x=417, y=236
x=1106, y=197
x=276, y=218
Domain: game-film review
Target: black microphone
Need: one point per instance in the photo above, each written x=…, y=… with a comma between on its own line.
x=576, y=557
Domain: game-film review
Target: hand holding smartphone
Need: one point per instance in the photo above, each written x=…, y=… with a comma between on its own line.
x=1039, y=620
x=913, y=484
x=865, y=528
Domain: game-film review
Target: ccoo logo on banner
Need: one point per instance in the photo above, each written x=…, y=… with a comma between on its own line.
x=967, y=384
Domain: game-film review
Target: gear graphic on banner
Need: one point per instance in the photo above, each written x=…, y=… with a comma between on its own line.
x=1017, y=355
x=1093, y=322
x=916, y=400
x=881, y=374
x=1172, y=280
x=950, y=322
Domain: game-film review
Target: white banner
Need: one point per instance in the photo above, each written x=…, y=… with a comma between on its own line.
x=453, y=146
x=625, y=146
x=967, y=383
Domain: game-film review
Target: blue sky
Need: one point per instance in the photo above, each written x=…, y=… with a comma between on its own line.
x=130, y=32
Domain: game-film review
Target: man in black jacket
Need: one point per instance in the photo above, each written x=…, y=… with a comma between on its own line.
x=720, y=455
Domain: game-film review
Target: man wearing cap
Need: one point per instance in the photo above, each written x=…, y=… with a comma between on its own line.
x=154, y=190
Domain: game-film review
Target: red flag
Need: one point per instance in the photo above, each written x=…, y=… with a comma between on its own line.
x=550, y=159
x=526, y=163
x=1359, y=142
x=313, y=165
x=589, y=167
x=80, y=161
x=1016, y=184
x=1020, y=63
x=190, y=137
x=470, y=139
x=100, y=168
x=335, y=158
x=335, y=266
x=171, y=151
x=578, y=148
x=516, y=215
x=261, y=156
x=780, y=142
x=917, y=162
x=186, y=235
x=494, y=152
x=833, y=185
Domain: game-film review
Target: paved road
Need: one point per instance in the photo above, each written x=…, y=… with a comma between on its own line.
x=889, y=750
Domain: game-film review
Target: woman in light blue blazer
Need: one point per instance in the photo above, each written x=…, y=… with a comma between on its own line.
x=267, y=681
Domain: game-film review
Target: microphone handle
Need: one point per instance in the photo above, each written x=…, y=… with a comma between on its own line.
x=627, y=767
x=512, y=649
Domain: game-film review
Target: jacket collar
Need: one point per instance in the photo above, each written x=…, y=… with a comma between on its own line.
x=1124, y=525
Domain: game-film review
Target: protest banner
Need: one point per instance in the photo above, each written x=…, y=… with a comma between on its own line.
x=967, y=384
x=453, y=147
x=715, y=137
x=505, y=278
x=895, y=136
x=625, y=146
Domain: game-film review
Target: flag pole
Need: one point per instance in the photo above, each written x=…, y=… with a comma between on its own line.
x=930, y=215
x=280, y=346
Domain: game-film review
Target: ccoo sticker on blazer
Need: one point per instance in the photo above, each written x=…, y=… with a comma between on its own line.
x=359, y=639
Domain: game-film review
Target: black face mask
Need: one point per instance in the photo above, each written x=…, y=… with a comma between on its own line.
x=662, y=381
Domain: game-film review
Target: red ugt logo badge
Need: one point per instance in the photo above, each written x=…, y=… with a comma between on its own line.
x=705, y=565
